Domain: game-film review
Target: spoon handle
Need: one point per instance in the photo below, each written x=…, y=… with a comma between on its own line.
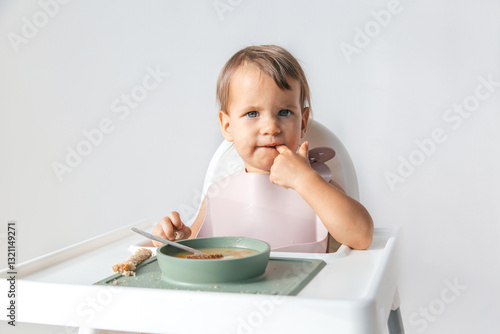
x=165, y=241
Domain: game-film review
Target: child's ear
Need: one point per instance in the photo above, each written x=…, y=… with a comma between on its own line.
x=225, y=125
x=305, y=119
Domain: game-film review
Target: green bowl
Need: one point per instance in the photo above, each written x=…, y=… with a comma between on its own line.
x=198, y=271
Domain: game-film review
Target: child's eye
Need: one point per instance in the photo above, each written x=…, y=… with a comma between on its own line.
x=252, y=114
x=284, y=112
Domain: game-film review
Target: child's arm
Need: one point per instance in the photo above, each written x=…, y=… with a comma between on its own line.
x=195, y=227
x=345, y=218
x=168, y=226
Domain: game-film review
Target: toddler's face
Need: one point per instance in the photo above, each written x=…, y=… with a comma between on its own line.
x=261, y=116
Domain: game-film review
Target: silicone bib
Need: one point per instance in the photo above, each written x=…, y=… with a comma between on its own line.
x=249, y=205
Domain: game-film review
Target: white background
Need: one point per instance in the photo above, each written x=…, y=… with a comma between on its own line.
x=395, y=90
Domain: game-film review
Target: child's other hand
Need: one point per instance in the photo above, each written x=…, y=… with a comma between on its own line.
x=171, y=228
x=288, y=166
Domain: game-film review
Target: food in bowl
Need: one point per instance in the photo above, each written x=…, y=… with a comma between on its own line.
x=226, y=252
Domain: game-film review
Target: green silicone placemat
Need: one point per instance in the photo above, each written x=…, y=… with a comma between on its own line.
x=283, y=276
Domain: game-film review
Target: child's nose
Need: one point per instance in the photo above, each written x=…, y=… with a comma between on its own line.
x=270, y=126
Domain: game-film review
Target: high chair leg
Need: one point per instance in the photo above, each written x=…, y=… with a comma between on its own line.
x=395, y=323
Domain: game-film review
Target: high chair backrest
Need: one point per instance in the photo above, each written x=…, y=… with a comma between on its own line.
x=341, y=165
x=226, y=160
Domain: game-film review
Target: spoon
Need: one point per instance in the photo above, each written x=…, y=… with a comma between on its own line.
x=198, y=254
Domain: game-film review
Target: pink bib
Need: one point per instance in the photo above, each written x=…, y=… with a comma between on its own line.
x=249, y=205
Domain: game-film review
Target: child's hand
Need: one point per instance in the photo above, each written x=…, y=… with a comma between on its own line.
x=288, y=166
x=171, y=228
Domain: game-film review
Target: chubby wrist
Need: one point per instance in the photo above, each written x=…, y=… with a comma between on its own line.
x=307, y=179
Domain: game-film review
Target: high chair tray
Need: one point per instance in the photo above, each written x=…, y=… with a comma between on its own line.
x=353, y=293
x=283, y=276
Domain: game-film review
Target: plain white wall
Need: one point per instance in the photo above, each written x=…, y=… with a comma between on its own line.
x=384, y=85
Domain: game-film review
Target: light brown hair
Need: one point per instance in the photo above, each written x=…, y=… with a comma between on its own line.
x=272, y=60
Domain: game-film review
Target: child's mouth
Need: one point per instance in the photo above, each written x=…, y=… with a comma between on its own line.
x=267, y=146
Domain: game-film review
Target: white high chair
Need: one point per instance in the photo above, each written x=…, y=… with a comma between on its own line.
x=226, y=161
x=353, y=293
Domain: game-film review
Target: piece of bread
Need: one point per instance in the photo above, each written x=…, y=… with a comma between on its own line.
x=127, y=267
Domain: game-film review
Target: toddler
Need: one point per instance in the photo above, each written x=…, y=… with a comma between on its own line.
x=264, y=109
